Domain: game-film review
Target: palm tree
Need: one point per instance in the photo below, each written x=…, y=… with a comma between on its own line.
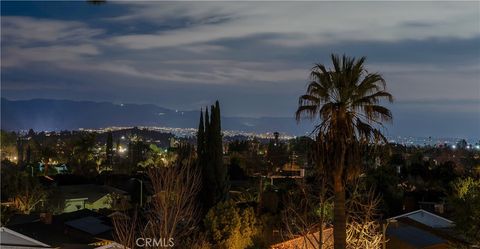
x=345, y=101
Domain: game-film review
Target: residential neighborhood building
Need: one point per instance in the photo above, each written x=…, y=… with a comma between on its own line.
x=10, y=239
x=91, y=196
x=420, y=229
x=79, y=229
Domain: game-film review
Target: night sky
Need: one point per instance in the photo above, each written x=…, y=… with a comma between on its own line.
x=253, y=57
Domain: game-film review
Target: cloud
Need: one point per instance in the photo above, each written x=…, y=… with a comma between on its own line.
x=468, y=106
x=18, y=56
x=74, y=46
x=22, y=30
x=300, y=24
x=27, y=39
x=209, y=72
x=204, y=48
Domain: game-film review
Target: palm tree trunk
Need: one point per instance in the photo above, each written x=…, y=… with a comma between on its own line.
x=322, y=214
x=339, y=214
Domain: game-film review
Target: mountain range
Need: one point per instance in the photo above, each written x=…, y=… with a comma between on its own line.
x=49, y=114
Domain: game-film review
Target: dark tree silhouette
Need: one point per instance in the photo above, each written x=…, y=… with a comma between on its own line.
x=210, y=158
x=345, y=99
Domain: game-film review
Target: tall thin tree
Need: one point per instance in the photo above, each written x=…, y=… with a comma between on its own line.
x=210, y=158
x=200, y=138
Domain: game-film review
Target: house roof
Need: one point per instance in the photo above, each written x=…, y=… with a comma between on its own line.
x=427, y=218
x=113, y=245
x=90, y=225
x=62, y=218
x=415, y=236
x=54, y=233
x=12, y=238
x=300, y=241
x=18, y=219
x=91, y=192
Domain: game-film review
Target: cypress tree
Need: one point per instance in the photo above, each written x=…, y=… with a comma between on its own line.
x=210, y=158
x=200, y=137
x=221, y=169
x=203, y=149
x=217, y=110
x=212, y=143
x=212, y=150
x=201, y=157
x=207, y=128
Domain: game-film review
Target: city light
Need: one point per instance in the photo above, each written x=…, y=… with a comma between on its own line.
x=121, y=149
x=187, y=132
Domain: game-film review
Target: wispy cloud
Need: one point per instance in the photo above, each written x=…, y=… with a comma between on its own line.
x=21, y=30
x=61, y=54
x=299, y=24
x=27, y=39
x=209, y=72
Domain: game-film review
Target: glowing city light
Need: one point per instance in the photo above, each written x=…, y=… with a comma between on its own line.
x=121, y=149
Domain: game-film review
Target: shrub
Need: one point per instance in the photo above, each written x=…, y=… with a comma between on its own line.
x=229, y=227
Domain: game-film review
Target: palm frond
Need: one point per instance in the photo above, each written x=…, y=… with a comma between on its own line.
x=347, y=100
x=309, y=111
x=373, y=98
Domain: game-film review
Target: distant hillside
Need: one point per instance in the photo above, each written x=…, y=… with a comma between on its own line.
x=47, y=114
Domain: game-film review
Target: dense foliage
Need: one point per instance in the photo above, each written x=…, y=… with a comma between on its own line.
x=230, y=227
x=465, y=202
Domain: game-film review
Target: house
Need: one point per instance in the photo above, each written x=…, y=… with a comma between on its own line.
x=427, y=218
x=112, y=245
x=79, y=229
x=10, y=239
x=85, y=228
x=420, y=229
x=309, y=241
x=90, y=196
x=288, y=171
x=403, y=236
